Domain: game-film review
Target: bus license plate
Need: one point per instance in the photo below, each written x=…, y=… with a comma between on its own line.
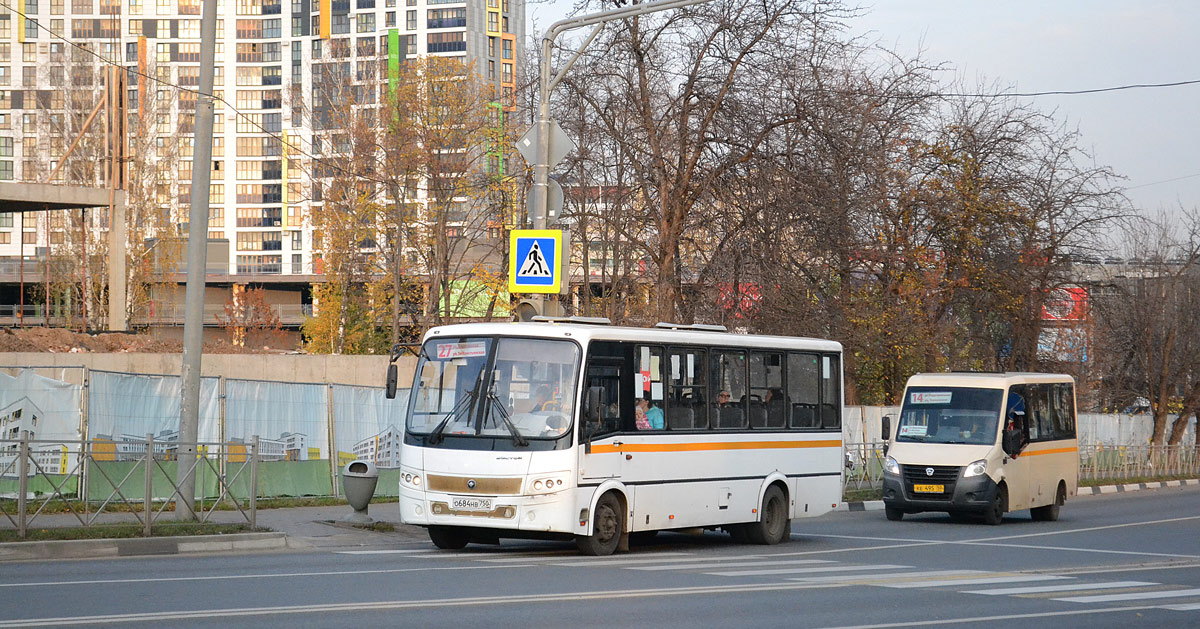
x=930, y=489
x=471, y=504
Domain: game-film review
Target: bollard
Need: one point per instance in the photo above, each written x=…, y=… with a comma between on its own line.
x=254, y=482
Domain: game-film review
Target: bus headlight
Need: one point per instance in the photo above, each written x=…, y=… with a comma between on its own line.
x=547, y=484
x=975, y=469
x=410, y=479
x=890, y=466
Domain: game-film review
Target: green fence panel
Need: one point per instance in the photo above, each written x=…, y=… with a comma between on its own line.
x=41, y=485
x=389, y=482
x=285, y=478
x=103, y=475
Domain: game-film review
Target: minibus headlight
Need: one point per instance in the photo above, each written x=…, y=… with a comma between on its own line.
x=891, y=466
x=977, y=468
x=548, y=484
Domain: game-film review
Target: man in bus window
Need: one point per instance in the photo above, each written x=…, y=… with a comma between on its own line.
x=723, y=399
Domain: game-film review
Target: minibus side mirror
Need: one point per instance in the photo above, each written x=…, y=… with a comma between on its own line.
x=886, y=432
x=392, y=374
x=1012, y=442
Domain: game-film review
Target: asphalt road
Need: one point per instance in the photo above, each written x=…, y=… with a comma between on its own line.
x=1116, y=560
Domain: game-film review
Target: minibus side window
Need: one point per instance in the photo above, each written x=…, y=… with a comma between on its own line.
x=728, y=388
x=687, y=405
x=1064, y=410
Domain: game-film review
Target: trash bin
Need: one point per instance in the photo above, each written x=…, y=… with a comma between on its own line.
x=358, y=482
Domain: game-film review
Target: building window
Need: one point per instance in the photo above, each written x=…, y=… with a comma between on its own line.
x=410, y=20
x=446, y=42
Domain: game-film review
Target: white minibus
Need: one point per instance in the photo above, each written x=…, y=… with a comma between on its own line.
x=575, y=429
x=982, y=444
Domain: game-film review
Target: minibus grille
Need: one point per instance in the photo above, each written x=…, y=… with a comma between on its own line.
x=945, y=475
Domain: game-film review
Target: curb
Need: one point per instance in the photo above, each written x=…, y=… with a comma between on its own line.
x=141, y=546
x=1120, y=489
x=868, y=505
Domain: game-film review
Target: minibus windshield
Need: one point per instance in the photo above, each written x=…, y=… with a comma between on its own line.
x=950, y=415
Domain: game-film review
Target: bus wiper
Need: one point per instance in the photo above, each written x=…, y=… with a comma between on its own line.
x=497, y=405
x=467, y=401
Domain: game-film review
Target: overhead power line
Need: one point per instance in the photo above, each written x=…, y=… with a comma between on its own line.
x=1096, y=90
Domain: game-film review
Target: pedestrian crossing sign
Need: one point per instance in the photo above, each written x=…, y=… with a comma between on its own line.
x=535, y=261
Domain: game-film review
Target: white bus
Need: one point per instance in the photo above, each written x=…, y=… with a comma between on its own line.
x=983, y=444
x=575, y=429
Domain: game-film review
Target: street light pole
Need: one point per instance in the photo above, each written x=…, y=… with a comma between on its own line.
x=538, y=192
x=193, y=322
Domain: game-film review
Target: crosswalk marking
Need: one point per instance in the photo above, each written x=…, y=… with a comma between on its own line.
x=771, y=571
x=933, y=583
x=595, y=561
x=382, y=552
x=1062, y=587
x=1132, y=596
x=667, y=563
x=866, y=579
x=1186, y=607
x=733, y=564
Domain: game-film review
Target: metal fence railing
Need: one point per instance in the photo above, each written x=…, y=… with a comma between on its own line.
x=52, y=484
x=1104, y=462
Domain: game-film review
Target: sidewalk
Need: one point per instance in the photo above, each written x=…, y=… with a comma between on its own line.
x=296, y=528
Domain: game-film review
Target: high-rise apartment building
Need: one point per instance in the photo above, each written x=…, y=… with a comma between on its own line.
x=271, y=55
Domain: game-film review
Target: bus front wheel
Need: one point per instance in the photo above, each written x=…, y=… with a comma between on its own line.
x=994, y=513
x=606, y=528
x=448, y=538
x=772, y=526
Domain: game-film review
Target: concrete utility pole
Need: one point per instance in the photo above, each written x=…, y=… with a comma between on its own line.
x=539, y=191
x=193, y=322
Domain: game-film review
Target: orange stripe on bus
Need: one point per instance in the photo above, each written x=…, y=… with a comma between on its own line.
x=1053, y=451
x=701, y=447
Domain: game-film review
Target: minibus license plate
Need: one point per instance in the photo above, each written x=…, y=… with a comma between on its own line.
x=471, y=504
x=929, y=489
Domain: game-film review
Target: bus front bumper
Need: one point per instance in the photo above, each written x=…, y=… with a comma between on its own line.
x=970, y=494
x=548, y=513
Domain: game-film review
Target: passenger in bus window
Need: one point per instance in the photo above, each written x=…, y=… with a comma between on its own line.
x=544, y=400
x=654, y=414
x=723, y=399
x=647, y=416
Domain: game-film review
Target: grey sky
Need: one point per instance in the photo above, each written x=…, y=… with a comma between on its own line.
x=1147, y=136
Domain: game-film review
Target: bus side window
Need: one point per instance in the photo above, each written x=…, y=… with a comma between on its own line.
x=767, y=399
x=606, y=376
x=729, y=376
x=803, y=390
x=831, y=392
x=686, y=406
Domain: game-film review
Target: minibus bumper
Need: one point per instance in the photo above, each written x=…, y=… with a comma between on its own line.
x=970, y=494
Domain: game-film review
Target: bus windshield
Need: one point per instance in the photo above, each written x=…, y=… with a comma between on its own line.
x=950, y=415
x=513, y=388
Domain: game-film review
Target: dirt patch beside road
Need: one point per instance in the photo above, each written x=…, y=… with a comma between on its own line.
x=60, y=340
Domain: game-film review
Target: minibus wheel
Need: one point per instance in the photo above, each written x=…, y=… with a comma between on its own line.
x=893, y=514
x=448, y=538
x=1049, y=513
x=606, y=528
x=994, y=513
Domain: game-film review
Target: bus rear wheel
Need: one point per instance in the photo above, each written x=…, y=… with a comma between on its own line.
x=448, y=538
x=606, y=528
x=773, y=524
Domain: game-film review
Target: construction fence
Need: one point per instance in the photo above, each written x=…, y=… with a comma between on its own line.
x=85, y=423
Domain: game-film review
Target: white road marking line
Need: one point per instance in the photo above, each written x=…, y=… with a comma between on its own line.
x=255, y=576
x=732, y=564
x=338, y=608
x=753, y=573
x=1090, y=528
x=1081, y=550
x=871, y=579
x=593, y=561
x=1063, y=587
x=933, y=583
x=1186, y=607
x=1133, y=596
x=667, y=563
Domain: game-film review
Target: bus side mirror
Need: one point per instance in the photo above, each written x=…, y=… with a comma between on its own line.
x=591, y=408
x=887, y=428
x=391, y=381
